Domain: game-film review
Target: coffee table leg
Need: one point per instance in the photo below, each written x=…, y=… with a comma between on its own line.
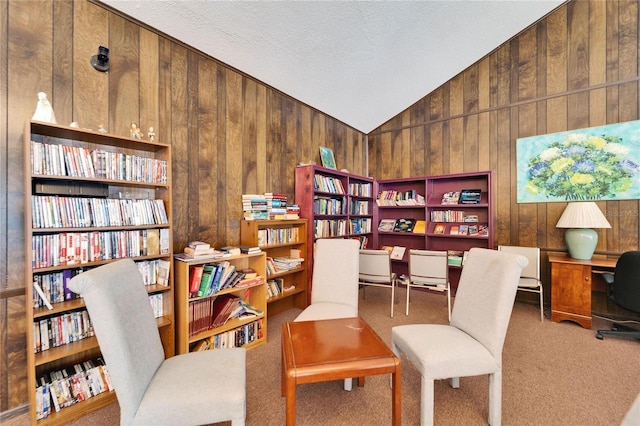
x=291, y=401
x=397, y=393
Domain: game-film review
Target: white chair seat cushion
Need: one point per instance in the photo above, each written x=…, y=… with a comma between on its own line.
x=442, y=351
x=198, y=400
x=324, y=310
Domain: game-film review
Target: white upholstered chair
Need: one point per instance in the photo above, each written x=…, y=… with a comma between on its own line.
x=471, y=345
x=429, y=269
x=334, y=282
x=530, y=277
x=152, y=390
x=375, y=270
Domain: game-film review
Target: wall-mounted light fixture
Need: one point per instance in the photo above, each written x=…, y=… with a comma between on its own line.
x=101, y=60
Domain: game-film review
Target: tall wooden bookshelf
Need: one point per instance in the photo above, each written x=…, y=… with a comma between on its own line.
x=250, y=332
x=91, y=198
x=277, y=238
x=336, y=204
x=439, y=215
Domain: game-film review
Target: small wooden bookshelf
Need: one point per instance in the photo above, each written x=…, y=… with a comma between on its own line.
x=279, y=238
x=246, y=332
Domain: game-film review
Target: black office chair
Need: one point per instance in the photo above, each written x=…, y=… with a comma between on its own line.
x=623, y=289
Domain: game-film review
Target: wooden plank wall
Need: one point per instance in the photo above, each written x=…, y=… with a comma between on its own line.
x=576, y=68
x=230, y=134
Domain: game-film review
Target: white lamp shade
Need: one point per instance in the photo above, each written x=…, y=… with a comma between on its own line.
x=582, y=215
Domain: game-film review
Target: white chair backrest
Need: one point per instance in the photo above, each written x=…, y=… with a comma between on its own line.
x=428, y=267
x=532, y=270
x=126, y=329
x=485, y=295
x=335, y=271
x=375, y=266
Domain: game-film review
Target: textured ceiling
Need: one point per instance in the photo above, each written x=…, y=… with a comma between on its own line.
x=362, y=62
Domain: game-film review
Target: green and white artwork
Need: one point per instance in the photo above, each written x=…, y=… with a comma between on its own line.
x=597, y=163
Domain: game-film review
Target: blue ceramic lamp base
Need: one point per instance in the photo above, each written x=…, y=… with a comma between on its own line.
x=581, y=242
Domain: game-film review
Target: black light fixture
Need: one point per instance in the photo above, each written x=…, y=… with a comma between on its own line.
x=101, y=60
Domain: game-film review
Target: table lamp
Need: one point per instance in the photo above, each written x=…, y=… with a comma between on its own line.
x=580, y=218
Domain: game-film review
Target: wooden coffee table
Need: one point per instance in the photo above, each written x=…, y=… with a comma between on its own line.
x=333, y=349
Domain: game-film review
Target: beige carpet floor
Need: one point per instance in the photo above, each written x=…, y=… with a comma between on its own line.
x=553, y=374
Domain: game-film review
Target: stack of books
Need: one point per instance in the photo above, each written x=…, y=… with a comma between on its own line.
x=198, y=250
x=255, y=207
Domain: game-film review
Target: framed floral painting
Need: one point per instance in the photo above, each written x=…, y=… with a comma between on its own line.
x=597, y=163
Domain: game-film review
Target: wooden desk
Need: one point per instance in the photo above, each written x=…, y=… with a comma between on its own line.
x=323, y=350
x=571, y=281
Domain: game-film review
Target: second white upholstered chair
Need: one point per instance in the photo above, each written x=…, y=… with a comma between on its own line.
x=471, y=345
x=334, y=282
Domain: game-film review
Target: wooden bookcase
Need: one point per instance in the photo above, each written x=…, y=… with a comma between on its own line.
x=337, y=205
x=434, y=213
x=67, y=202
x=254, y=295
x=277, y=238
x=436, y=187
x=410, y=240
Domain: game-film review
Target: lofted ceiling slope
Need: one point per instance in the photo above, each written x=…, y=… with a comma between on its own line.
x=361, y=62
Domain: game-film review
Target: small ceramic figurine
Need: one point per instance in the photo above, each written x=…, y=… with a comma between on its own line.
x=44, y=110
x=75, y=125
x=135, y=131
x=101, y=129
x=151, y=134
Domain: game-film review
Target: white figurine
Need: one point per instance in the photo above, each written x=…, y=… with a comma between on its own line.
x=44, y=110
x=151, y=135
x=135, y=131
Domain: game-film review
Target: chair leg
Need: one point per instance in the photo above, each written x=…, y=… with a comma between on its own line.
x=348, y=384
x=393, y=295
x=495, y=398
x=407, y=309
x=449, y=301
x=426, y=402
x=541, y=306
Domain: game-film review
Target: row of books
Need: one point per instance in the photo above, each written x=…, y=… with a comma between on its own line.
x=208, y=279
x=327, y=205
x=61, y=329
x=77, y=248
x=466, y=196
x=392, y=197
x=272, y=236
x=471, y=230
x=324, y=228
x=282, y=264
x=360, y=207
x=360, y=189
x=452, y=216
x=210, y=313
x=360, y=226
x=275, y=287
x=52, y=211
x=51, y=288
x=63, y=388
x=402, y=225
x=157, y=304
x=327, y=184
x=235, y=338
x=65, y=160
